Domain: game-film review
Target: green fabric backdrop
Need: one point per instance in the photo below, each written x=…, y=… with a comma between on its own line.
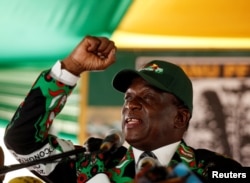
x=37, y=31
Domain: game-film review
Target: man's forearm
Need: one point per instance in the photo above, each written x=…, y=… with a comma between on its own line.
x=30, y=125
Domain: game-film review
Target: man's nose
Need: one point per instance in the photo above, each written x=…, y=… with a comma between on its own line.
x=133, y=104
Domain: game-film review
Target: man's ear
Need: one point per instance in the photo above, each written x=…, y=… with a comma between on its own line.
x=182, y=118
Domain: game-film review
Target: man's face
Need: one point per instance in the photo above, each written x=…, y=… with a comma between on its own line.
x=148, y=116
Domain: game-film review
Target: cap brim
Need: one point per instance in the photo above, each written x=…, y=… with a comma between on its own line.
x=123, y=80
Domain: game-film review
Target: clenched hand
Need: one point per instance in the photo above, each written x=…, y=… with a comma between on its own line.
x=92, y=53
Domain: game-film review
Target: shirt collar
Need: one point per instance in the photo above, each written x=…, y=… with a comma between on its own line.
x=164, y=154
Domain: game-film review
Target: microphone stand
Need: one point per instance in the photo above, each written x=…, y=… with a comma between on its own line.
x=5, y=169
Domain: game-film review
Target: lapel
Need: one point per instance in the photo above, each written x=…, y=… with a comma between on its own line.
x=124, y=171
x=185, y=154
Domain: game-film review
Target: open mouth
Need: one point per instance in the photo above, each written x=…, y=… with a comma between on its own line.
x=132, y=122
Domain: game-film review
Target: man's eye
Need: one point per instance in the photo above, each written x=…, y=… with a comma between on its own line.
x=148, y=97
x=127, y=97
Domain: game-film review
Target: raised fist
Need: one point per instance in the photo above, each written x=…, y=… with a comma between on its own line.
x=92, y=53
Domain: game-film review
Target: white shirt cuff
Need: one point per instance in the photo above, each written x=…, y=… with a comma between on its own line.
x=99, y=178
x=63, y=75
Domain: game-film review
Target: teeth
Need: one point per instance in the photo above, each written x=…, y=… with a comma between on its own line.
x=132, y=120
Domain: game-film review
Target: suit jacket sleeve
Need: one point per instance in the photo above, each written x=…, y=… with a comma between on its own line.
x=27, y=135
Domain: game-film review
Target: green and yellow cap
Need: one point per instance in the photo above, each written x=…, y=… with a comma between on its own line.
x=160, y=74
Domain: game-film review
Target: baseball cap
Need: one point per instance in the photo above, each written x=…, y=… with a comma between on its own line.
x=162, y=75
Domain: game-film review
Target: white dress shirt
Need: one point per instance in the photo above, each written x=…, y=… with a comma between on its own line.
x=164, y=154
x=63, y=75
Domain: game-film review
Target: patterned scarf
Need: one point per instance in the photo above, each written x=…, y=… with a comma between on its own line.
x=124, y=172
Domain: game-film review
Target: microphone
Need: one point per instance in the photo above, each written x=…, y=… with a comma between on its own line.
x=150, y=170
x=114, y=139
x=147, y=162
x=6, y=169
x=153, y=172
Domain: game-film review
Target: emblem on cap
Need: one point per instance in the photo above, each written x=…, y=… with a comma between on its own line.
x=153, y=67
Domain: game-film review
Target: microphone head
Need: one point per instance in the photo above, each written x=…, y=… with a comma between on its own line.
x=148, y=162
x=93, y=144
x=118, y=135
x=113, y=139
x=150, y=170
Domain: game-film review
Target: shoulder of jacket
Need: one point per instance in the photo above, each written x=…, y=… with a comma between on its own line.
x=215, y=159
